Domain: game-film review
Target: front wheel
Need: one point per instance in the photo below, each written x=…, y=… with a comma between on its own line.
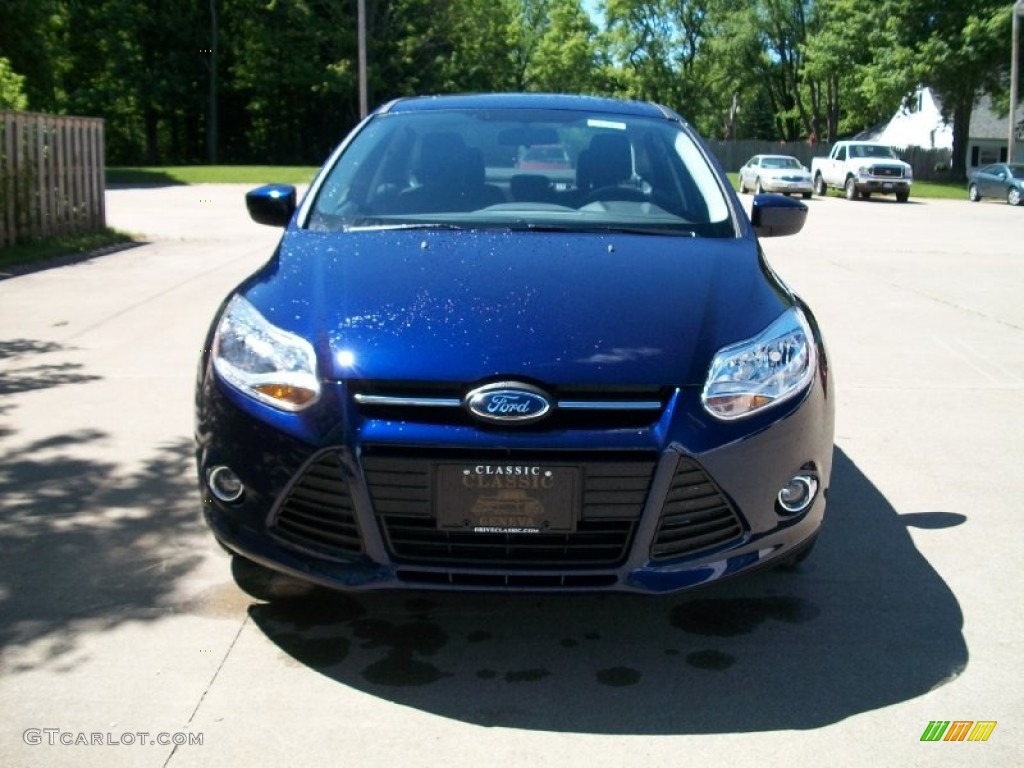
x=805, y=195
x=902, y=197
x=1013, y=196
x=851, y=189
x=973, y=194
x=758, y=189
x=819, y=186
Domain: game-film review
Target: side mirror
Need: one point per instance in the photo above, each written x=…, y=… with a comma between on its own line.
x=777, y=215
x=272, y=205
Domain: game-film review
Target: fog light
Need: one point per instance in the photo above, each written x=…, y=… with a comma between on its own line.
x=798, y=493
x=225, y=484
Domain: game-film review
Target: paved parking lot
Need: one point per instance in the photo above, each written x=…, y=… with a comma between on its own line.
x=120, y=617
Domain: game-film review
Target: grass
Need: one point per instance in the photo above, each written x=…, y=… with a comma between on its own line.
x=35, y=251
x=210, y=174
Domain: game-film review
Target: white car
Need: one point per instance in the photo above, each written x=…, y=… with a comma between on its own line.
x=776, y=173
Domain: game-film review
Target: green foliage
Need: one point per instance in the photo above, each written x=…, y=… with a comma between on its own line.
x=36, y=251
x=283, y=73
x=12, y=87
x=209, y=174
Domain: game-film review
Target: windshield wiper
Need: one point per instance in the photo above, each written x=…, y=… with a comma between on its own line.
x=403, y=225
x=591, y=229
x=637, y=230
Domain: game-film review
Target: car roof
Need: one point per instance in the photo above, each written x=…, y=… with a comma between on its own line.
x=778, y=157
x=529, y=101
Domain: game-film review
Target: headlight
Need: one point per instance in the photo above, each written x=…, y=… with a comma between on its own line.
x=766, y=370
x=272, y=365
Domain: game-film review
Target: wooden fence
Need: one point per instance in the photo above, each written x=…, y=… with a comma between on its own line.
x=51, y=176
x=928, y=164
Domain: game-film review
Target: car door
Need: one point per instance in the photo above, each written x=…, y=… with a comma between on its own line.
x=990, y=182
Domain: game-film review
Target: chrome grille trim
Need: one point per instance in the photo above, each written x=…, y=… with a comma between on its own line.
x=447, y=402
x=408, y=402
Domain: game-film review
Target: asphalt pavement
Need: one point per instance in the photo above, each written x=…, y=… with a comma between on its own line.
x=128, y=638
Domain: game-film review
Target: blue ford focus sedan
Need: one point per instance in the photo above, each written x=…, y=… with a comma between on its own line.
x=456, y=372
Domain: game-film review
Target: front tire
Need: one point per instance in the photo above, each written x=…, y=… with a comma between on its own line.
x=805, y=195
x=902, y=197
x=758, y=189
x=851, y=188
x=1013, y=196
x=973, y=194
x=819, y=186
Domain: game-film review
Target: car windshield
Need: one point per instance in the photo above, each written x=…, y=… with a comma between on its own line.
x=1017, y=171
x=522, y=169
x=872, y=150
x=780, y=162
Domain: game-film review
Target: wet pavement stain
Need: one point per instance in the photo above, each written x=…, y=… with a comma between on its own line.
x=413, y=636
x=739, y=616
x=317, y=652
x=618, y=677
x=399, y=670
x=714, y=661
x=420, y=605
x=526, y=675
x=302, y=613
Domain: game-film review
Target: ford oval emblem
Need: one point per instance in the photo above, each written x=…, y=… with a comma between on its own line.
x=508, y=402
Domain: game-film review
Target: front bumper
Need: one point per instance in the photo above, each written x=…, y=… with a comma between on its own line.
x=788, y=187
x=883, y=185
x=681, y=503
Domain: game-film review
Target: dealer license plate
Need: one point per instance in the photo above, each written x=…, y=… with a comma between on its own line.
x=507, y=498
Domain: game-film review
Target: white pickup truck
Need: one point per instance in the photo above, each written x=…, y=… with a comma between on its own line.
x=862, y=168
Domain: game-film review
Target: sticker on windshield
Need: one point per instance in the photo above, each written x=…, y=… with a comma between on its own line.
x=595, y=123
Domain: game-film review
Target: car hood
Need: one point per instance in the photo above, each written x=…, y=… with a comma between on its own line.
x=465, y=306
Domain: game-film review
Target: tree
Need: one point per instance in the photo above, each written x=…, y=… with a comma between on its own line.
x=961, y=48
x=12, y=87
x=565, y=56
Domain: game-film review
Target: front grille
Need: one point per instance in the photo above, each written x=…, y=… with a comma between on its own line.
x=889, y=171
x=574, y=407
x=317, y=515
x=508, y=580
x=614, y=491
x=696, y=515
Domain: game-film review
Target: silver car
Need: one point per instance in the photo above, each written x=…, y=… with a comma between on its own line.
x=776, y=173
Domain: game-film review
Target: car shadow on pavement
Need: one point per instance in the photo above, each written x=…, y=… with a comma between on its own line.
x=864, y=623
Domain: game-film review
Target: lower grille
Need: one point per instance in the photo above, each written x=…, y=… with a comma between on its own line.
x=613, y=497
x=510, y=580
x=696, y=516
x=317, y=515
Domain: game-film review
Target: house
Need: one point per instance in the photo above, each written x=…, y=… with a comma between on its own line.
x=987, y=141
x=918, y=123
